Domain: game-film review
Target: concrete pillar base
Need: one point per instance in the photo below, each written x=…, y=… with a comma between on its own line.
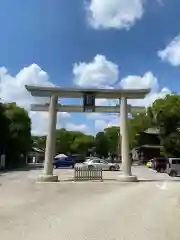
x=126, y=178
x=48, y=178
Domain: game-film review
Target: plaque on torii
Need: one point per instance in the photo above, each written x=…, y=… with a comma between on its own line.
x=89, y=102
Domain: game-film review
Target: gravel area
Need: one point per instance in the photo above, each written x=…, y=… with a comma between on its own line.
x=149, y=209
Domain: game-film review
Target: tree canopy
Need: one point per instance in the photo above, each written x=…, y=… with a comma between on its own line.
x=15, y=138
x=163, y=114
x=67, y=142
x=104, y=143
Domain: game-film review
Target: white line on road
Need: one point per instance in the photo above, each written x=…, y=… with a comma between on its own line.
x=163, y=186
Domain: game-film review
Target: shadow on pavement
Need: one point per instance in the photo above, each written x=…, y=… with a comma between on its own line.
x=159, y=180
x=26, y=168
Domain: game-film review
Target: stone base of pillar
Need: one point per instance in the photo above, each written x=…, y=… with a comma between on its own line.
x=48, y=178
x=126, y=178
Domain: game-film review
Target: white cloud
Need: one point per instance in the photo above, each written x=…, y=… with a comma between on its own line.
x=150, y=98
x=13, y=90
x=113, y=120
x=119, y=14
x=94, y=116
x=76, y=127
x=100, y=73
x=102, y=121
x=13, y=87
x=100, y=124
x=102, y=116
x=148, y=80
x=40, y=122
x=171, y=53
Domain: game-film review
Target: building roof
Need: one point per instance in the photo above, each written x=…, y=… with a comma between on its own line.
x=37, y=150
x=148, y=146
x=38, y=91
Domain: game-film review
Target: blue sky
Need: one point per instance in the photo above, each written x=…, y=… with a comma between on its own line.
x=88, y=43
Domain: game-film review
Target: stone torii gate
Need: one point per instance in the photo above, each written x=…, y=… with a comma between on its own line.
x=89, y=96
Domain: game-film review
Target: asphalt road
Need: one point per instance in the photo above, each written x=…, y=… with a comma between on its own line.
x=149, y=209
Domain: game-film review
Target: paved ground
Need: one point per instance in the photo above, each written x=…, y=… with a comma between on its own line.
x=89, y=211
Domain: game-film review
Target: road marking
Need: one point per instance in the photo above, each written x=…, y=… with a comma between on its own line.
x=163, y=186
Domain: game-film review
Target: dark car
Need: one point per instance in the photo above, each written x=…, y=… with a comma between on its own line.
x=159, y=164
x=63, y=162
x=78, y=158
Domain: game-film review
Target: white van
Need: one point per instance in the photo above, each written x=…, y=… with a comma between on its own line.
x=173, y=167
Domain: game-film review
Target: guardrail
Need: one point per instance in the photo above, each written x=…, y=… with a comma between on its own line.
x=81, y=174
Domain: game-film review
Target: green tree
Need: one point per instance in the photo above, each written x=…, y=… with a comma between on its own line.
x=82, y=144
x=165, y=114
x=101, y=143
x=39, y=142
x=73, y=142
x=138, y=124
x=19, y=135
x=4, y=124
x=113, y=138
x=67, y=142
x=63, y=141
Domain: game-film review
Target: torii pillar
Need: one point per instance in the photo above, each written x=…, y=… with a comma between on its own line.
x=125, y=154
x=47, y=175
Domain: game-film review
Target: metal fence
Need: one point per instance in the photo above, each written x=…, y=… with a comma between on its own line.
x=81, y=174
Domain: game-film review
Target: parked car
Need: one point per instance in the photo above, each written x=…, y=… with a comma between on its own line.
x=159, y=164
x=78, y=158
x=90, y=159
x=173, y=167
x=100, y=163
x=63, y=162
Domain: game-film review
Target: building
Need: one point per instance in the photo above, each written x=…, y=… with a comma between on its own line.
x=149, y=146
x=36, y=155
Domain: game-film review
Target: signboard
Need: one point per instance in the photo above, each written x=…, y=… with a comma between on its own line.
x=89, y=102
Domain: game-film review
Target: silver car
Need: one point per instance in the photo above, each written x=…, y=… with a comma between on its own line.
x=173, y=167
x=100, y=163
